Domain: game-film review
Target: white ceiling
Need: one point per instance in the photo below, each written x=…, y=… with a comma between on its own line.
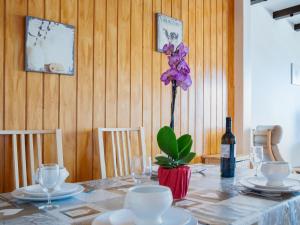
x=274, y=5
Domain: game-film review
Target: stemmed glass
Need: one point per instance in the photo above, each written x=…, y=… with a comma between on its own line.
x=48, y=176
x=141, y=169
x=256, y=157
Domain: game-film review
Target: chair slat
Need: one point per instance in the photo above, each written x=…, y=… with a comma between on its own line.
x=143, y=145
x=114, y=154
x=129, y=148
x=31, y=156
x=124, y=152
x=119, y=154
x=101, y=154
x=59, y=148
x=15, y=161
x=39, y=148
x=23, y=155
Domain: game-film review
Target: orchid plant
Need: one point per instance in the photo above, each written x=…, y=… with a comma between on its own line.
x=178, y=74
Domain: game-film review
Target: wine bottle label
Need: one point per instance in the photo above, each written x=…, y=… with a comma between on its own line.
x=225, y=150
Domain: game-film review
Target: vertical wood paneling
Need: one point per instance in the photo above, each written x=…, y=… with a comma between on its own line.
x=2, y=156
x=15, y=77
x=166, y=8
x=147, y=71
x=230, y=43
x=176, y=12
x=136, y=66
x=199, y=78
x=225, y=60
x=85, y=91
x=51, y=91
x=156, y=94
x=123, y=118
x=207, y=77
x=111, y=72
x=213, y=74
x=184, y=109
x=34, y=106
x=219, y=68
x=99, y=76
x=117, y=77
x=192, y=63
x=67, y=96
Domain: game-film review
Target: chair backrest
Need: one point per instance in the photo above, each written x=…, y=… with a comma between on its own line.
x=34, y=140
x=269, y=137
x=120, y=148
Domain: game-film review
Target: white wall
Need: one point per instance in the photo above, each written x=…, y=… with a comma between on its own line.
x=274, y=46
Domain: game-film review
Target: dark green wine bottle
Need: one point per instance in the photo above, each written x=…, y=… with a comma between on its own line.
x=228, y=151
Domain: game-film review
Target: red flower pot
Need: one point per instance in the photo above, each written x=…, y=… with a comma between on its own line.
x=177, y=179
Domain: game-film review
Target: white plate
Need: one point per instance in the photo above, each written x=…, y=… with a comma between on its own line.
x=174, y=216
x=262, y=182
x=18, y=194
x=244, y=182
x=37, y=191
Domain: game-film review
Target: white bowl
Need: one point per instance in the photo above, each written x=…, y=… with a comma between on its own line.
x=148, y=203
x=275, y=172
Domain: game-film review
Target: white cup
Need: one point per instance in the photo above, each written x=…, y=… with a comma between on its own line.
x=275, y=172
x=63, y=174
x=148, y=203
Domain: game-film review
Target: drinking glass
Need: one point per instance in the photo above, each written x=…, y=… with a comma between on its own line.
x=141, y=169
x=48, y=176
x=256, y=157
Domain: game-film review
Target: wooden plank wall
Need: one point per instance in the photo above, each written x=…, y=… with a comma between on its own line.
x=117, y=78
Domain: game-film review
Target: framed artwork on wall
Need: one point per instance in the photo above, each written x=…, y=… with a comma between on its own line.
x=295, y=74
x=49, y=46
x=168, y=30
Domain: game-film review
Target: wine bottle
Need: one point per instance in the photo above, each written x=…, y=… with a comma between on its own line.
x=228, y=151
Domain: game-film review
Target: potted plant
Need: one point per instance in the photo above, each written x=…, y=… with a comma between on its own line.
x=173, y=171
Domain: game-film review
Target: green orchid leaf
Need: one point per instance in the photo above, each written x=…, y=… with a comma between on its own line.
x=167, y=142
x=163, y=159
x=186, y=150
x=164, y=162
x=183, y=141
x=189, y=157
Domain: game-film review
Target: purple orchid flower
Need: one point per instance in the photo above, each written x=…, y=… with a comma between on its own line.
x=179, y=70
x=168, y=49
x=183, y=67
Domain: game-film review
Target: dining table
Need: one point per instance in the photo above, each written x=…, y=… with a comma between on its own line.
x=210, y=199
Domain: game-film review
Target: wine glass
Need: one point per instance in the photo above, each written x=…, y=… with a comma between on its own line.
x=141, y=169
x=48, y=176
x=256, y=157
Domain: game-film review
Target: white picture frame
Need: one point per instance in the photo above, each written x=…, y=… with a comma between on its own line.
x=49, y=46
x=295, y=74
x=168, y=30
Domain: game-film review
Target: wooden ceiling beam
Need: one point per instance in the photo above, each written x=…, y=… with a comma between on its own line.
x=297, y=27
x=283, y=13
x=257, y=1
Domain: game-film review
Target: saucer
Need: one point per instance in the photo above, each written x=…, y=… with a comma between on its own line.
x=19, y=194
x=174, y=216
x=37, y=191
x=244, y=182
x=263, y=183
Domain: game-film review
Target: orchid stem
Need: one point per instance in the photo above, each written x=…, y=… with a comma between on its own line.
x=174, y=91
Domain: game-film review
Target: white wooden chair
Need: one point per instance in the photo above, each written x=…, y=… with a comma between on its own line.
x=34, y=140
x=121, y=148
x=269, y=137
